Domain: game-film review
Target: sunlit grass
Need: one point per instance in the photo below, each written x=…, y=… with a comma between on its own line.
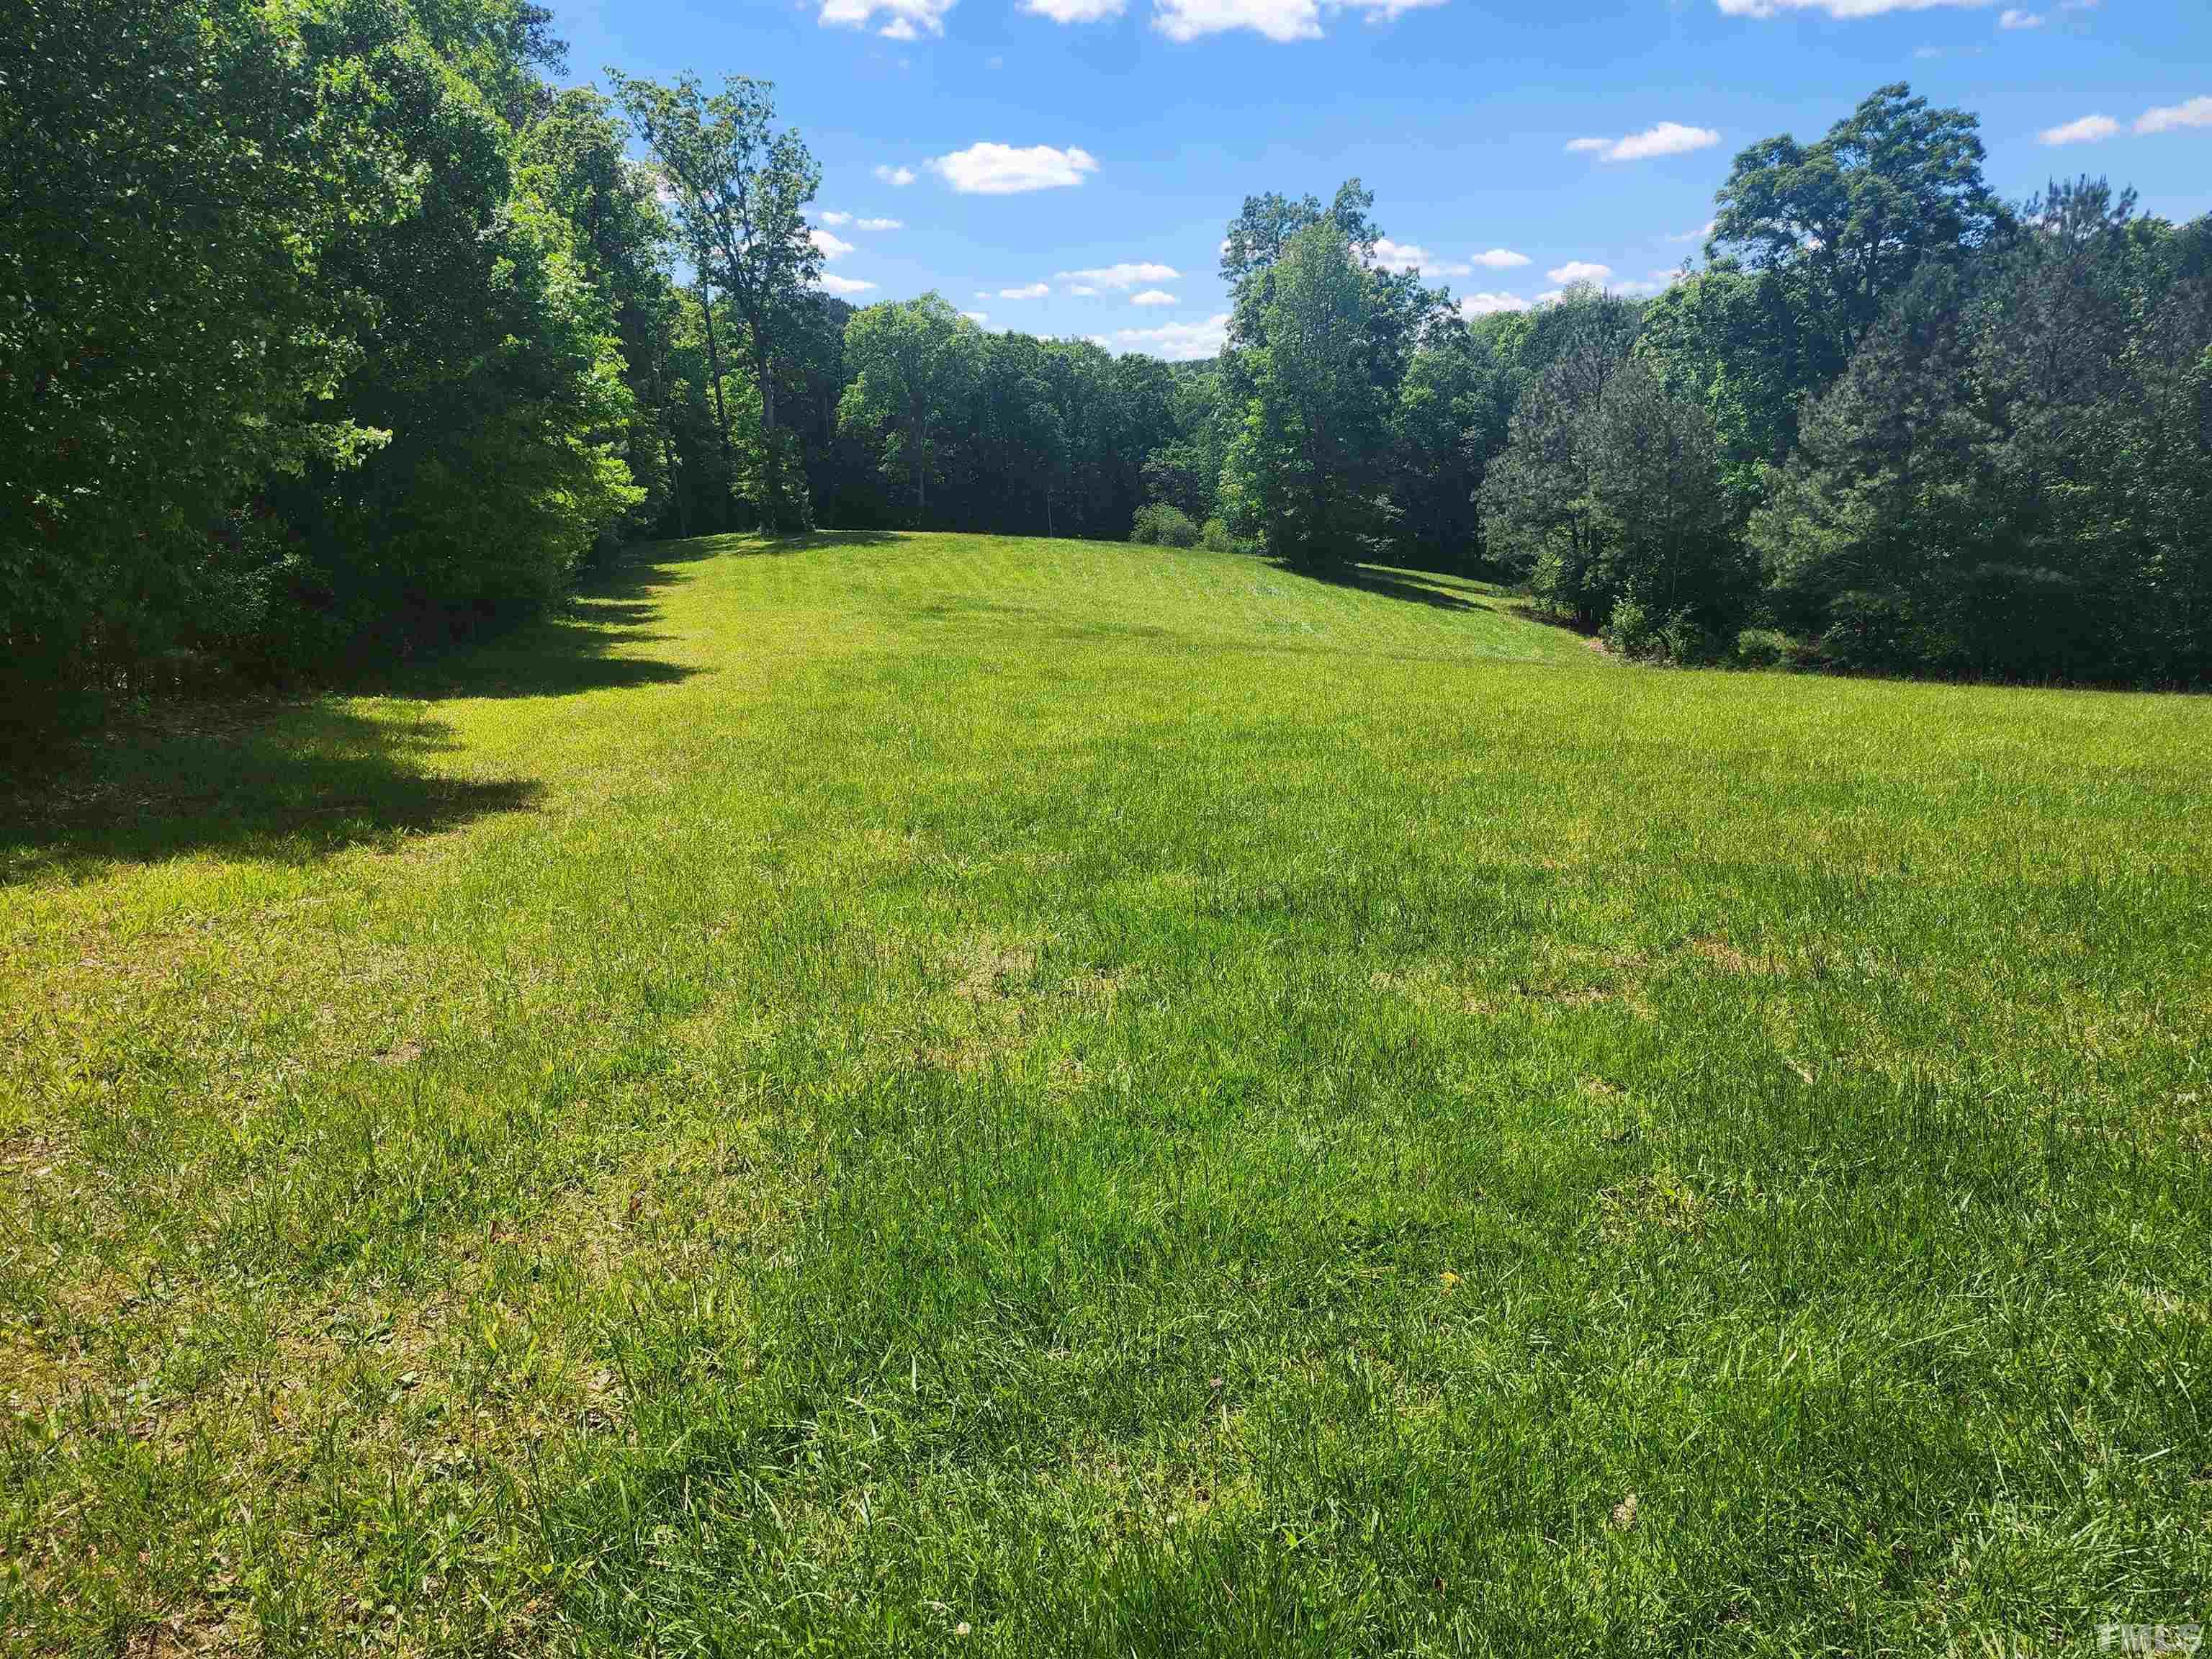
x=1115, y=1100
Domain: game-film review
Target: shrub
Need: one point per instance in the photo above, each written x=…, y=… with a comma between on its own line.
x=1764, y=647
x=1632, y=631
x=1216, y=538
x=1159, y=524
x=1676, y=637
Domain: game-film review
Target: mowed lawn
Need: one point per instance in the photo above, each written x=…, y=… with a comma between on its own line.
x=936, y=1095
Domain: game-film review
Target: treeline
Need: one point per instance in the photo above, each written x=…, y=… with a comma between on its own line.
x=1892, y=424
x=304, y=350
x=332, y=330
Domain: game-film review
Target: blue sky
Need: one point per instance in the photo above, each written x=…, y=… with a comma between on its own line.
x=1106, y=152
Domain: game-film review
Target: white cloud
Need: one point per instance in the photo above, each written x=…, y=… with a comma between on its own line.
x=1667, y=138
x=978, y=318
x=1082, y=291
x=1178, y=343
x=2013, y=18
x=1002, y=170
x=836, y=218
x=2089, y=129
x=1580, y=270
x=1551, y=297
x=2197, y=112
x=1657, y=283
x=1154, y=296
x=896, y=178
x=831, y=247
x=1695, y=236
x=841, y=285
x=1406, y=256
x=1500, y=258
x=1846, y=9
x=1277, y=20
x=1072, y=11
x=1028, y=291
x=1489, y=305
x=1128, y=274
x=877, y=224
x=904, y=20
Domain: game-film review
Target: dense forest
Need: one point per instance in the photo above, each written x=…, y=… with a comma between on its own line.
x=332, y=330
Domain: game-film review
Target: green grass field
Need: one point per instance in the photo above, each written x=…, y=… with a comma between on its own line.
x=933, y=1094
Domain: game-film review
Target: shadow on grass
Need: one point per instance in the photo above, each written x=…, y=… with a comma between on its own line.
x=290, y=780
x=1406, y=585
x=752, y=545
x=1528, y=610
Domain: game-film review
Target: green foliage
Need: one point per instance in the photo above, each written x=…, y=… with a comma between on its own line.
x=1215, y=537
x=1306, y=475
x=1161, y=523
x=1609, y=490
x=909, y=363
x=176, y=176
x=1539, y=509
x=741, y=189
x=493, y=364
x=1453, y=412
x=328, y=329
x=2010, y=479
x=1850, y=220
x=1764, y=647
x=298, y=364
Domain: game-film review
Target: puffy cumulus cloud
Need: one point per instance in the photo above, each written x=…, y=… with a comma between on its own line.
x=1027, y=291
x=1667, y=138
x=1179, y=343
x=2013, y=18
x=903, y=20
x=1280, y=20
x=843, y=287
x=1588, y=146
x=1841, y=9
x=1073, y=11
x=896, y=178
x=2089, y=129
x=1657, y=281
x=836, y=218
x=830, y=246
x=978, y=318
x=1154, y=296
x=1407, y=256
x=1003, y=170
x=1489, y=305
x=879, y=224
x=1500, y=258
x=2197, y=112
x=1128, y=274
x=1083, y=290
x=1696, y=235
x=1580, y=270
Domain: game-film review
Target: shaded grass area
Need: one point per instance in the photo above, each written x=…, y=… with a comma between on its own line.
x=1126, y=1101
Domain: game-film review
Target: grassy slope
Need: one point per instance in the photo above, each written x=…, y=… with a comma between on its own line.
x=1119, y=1098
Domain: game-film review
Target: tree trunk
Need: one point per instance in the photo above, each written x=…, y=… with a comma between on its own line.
x=721, y=416
x=675, y=482
x=771, y=501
